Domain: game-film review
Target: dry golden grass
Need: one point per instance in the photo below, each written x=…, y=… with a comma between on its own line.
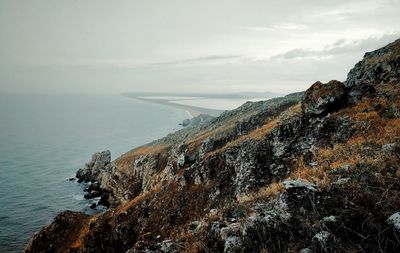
x=125, y=161
x=137, y=200
x=270, y=191
x=264, y=193
x=318, y=176
x=82, y=233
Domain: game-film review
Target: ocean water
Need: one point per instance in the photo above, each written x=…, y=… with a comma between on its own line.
x=44, y=139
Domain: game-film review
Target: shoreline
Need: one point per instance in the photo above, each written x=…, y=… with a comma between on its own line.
x=193, y=111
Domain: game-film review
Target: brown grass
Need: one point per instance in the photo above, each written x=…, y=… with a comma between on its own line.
x=137, y=200
x=125, y=161
x=82, y=233
x=268, y=192
x=318, y=176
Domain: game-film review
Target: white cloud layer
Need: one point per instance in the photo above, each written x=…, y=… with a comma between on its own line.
x=186, y=45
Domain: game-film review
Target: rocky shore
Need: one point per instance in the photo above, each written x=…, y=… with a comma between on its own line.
x=315, y=171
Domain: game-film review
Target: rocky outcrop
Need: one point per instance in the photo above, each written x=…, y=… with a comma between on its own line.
x=310, y=172
x=100, y=162
x=197, y=120
x=58, y=236
x=322, y=98
x=94, y=175
x=379, y=66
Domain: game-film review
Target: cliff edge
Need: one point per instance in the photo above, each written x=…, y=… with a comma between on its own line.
x=309, y=172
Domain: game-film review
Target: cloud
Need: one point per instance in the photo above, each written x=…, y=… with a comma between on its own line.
x=203, y=60
x=337, y=48
x=278, y=27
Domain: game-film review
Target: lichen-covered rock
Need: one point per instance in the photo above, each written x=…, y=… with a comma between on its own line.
x=233, y=229
x=382, y=65
x=92, y=169
x=394, y=220
x=321, y=99
x=298, y=183
x=233, y=244
x=322, y=237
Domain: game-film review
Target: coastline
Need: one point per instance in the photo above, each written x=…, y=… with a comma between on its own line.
x=193, y=111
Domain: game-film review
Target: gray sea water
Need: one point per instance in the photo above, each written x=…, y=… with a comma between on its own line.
x=44, y=139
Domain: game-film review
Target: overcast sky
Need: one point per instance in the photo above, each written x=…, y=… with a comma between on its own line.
x=186, y=45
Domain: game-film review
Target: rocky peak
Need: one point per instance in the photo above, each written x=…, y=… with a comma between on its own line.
x=379, y=66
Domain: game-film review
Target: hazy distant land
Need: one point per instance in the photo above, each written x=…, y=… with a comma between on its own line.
x=196, y=104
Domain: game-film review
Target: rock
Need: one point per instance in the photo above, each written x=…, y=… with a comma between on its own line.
x=101, y=158
x=306, y=250
x=215, y=229
x=196, y=121
x=230, y=230
x=53, y=237
x=233, y=244
x=93, y=168
x=93, y=206
x=358, y=92
x=322, y=237
x=329, y=219
x=181, y=160
x=389, y=147
x=342, y=181
x=182, y=181
x=194, y=226
x=206, y=146
x=168, y=246
x=298, y=183
x=394, y=220
x=321, y=99
x=378, y=66
x=185, y=122
x=92, y=194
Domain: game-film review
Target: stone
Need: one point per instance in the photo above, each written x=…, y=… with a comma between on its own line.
x=389, y=147
x=306, y=250
x=168, y=246
x=394, y=220
x=321, y=99
x=206, y=146
x=233, y=244
x=181, y=160
x=342, y=181
x=322, y=237
x=230, y=230
x=331, y=218
x=92, y=169
x=298, y=183
x=185, y=122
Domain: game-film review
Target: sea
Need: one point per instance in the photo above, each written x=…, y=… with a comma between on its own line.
x=45, y=138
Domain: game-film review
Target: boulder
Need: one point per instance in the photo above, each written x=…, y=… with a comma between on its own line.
x=321, y=99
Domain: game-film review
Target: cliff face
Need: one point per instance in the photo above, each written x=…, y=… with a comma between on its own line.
x=309, y=172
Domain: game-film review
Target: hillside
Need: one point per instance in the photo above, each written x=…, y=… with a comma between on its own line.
x=309, y=172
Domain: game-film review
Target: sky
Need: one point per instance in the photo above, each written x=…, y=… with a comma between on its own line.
x=216, y=46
